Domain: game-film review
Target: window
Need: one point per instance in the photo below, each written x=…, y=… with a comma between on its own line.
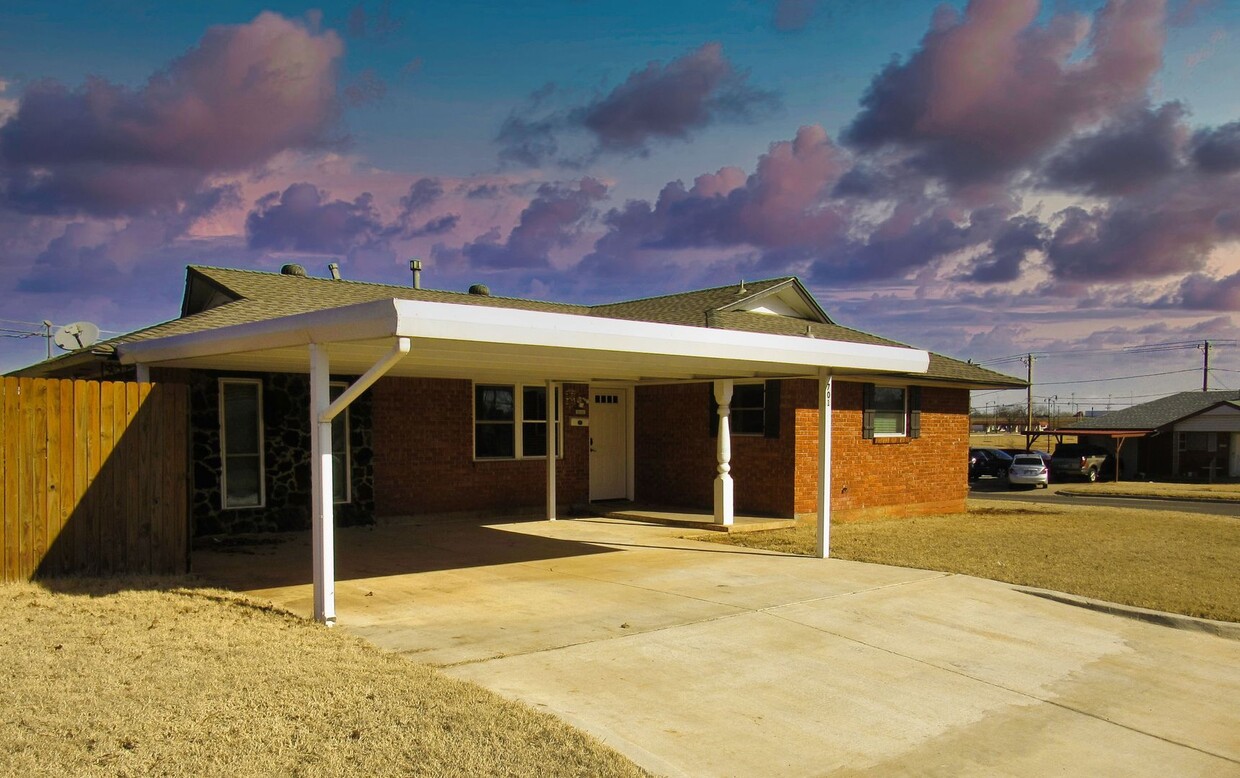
x=890, y=411
x=510, y=421
x=241, y=443
x=342, y=487
x=754, y=410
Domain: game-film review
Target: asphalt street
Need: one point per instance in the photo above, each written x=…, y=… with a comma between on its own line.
x=997, y=489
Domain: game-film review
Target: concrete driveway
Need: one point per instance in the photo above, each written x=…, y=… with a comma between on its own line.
x=700, y=659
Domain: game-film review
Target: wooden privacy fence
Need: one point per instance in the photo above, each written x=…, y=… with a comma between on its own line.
x=94, y=477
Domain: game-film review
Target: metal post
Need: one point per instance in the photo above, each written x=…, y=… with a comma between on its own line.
x=323, y=540
x=724, y=513
x=551, y=412
x=1029, y=402
x=824, y=464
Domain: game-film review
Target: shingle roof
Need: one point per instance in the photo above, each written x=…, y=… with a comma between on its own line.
x=1157, y=413
x=258, y=296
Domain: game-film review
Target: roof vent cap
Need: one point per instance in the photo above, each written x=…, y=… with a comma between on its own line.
x=480, y=289
x=293, y=270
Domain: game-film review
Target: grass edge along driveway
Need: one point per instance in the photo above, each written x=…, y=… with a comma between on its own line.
x=1163, y=560
x=151, y=678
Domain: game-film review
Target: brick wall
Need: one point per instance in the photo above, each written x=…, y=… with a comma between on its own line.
x=675, y=454
x=424, y=458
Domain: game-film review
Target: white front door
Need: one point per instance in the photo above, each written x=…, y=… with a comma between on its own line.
x=609, y=444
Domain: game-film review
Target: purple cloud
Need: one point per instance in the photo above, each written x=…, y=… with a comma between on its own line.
x=243, y=94
x=303, y=219
x=1217, y=150
x=553, y=219
x=793, y=15
x=991, y=91
x=1132, y=151
x=1206, y=293
x=657, y=103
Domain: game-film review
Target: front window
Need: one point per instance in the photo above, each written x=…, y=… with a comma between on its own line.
x=890, y=411
x=241, y=443
x=748, y=409
x=510, y=421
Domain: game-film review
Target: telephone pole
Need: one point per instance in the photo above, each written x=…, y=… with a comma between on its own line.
x=1028, y=360
x=1205, y=366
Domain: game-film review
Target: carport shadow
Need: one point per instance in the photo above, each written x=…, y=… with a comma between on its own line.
x=284, y=559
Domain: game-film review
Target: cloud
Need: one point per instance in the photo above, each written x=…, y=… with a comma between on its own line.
x=657, y=103
x=367, y=88
x=793, y=15
x=377, y=26
x=1131, y=151
x=243, y=94
x=1203, y=292
x=552, y=220
x=1217, y=150
x=992, y=90
x=422, y=194
x=302, y=218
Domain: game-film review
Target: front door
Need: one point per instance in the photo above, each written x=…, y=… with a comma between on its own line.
x=609, y=444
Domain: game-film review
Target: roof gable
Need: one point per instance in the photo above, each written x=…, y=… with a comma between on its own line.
x=789, y=298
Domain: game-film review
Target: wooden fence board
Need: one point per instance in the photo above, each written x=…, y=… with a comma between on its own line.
x=92, y=477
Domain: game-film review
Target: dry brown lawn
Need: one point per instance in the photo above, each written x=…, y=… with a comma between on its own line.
x=1228, y=492
x=155, y=679
x=1178, y=562
x=1013, y=440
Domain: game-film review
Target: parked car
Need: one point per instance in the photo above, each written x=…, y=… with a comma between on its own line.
x=988, y=462
x=1029, y=469
x=1080, y=460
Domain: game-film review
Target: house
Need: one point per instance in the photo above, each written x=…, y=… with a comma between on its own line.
x=1190, y=435
x=314, y=400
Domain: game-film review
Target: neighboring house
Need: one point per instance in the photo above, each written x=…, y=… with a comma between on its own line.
x=1190, y=435
x=450, y=414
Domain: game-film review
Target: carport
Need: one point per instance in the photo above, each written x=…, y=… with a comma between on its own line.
x=412, y=338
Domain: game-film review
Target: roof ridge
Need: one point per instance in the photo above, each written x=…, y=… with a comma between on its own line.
x=691, y=291
x=268, y=273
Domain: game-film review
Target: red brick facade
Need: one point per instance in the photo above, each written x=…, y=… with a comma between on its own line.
x=676, y=454
x=423, y=442
x=424, y=456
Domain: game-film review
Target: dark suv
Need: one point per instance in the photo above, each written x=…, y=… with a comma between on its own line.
x=988, y=461
x=1080, y=460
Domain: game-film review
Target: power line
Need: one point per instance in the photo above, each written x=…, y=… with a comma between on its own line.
x=1148, y=348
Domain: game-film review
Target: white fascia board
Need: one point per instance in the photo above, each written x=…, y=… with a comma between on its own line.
x=363, y=321
x=446, y=321
x=531, y=329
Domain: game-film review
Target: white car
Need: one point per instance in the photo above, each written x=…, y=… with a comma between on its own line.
x=1030, y=470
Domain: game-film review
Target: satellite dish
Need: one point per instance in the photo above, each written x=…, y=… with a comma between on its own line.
x=77, y=335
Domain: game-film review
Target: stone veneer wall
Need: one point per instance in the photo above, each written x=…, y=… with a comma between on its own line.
x=286, y=435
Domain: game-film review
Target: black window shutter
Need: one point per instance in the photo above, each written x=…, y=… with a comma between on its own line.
x=714, y=411
x=770, y=409
x=867, y=411
x=914, y=411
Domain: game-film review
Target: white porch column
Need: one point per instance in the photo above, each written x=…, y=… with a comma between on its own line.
x=551, y=412
x=824, y=464
x=323, y=541
x=723, y=482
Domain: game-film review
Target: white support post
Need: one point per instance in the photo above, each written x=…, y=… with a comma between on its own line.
x=142, y=372
x=824, y=464
x=724, y=513
x=551, y=413
x=323, y=541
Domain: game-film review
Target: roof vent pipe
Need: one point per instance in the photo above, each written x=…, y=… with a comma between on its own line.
x=293, y=270
x=480, y=289
x=334, y=269
x=415, y=266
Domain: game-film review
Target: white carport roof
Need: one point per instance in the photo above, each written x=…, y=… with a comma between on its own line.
x=483, y=343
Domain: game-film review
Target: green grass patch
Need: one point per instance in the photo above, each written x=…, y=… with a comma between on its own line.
x=1169, y=561
x=165, y=680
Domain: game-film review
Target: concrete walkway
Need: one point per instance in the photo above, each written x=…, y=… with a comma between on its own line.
x=699, y=659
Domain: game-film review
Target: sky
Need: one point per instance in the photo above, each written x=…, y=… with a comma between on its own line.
x=985, y=179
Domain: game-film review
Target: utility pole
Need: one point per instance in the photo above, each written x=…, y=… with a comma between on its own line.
x=1205, y=366
x=1028, y=360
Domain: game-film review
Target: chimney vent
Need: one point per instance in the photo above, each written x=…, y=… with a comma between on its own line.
x=415, y=266
x=293, y=270
x=334, y=269
x=480, y=289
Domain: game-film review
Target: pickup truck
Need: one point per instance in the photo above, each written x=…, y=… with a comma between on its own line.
x=1079, y=460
